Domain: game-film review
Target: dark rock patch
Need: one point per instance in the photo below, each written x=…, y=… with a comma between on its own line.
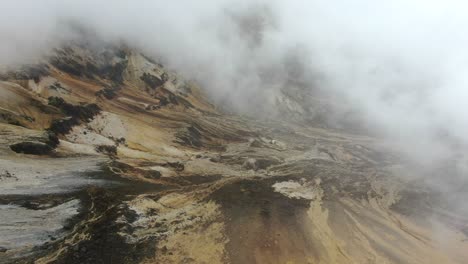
x=121, y=53
x=178, y=166
x=7, y=175
x=42, y=145
x=167, y=98
x=58, y=87
x=105, y=245
x=28, y=72
x=152, y=81
x=114, y=72
x=70, y=62
x=46, y=109
x=10, y=119
x=34, y=148
x=152, y=174
x=69, y=66
x=107, y=150
x=263, y=163
x=209, y=135
x=63, y=126
x=124, y=168
x=108, y=92
x=119, y=141
x=192, y=136
x=76, y=114
x=84, y=112
x=52, y=139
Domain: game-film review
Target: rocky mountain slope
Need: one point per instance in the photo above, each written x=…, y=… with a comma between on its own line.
x=109, y=157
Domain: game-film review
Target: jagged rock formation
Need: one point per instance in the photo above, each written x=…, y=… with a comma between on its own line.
x=126, y=162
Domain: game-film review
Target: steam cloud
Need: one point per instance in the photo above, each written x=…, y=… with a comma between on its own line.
x=401, y=63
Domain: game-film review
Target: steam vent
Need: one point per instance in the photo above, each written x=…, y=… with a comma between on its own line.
x=141, y=132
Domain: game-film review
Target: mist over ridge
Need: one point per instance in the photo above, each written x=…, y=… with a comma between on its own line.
x=400, y=64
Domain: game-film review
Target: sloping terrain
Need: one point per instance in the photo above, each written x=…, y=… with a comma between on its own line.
x=109, y=157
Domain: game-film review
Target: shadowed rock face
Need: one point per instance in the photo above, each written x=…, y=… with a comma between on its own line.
x=35, y=148
x=40, y=145
x=141, y=168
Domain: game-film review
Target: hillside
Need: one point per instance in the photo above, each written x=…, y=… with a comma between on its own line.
x=107, y=156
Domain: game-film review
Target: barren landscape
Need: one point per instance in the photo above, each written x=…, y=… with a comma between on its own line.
x=108, y=157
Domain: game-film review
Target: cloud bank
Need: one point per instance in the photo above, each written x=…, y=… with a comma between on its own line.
x=401, y=64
